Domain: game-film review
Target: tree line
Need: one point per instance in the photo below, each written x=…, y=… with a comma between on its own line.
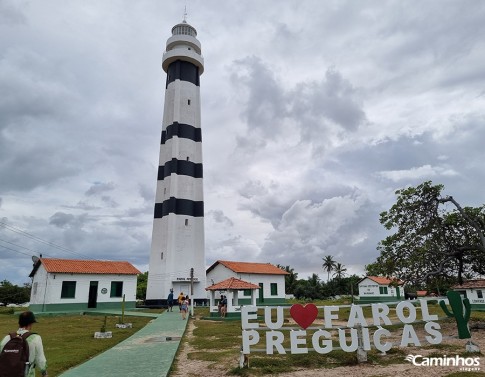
x=313, y=288
x=14, y=294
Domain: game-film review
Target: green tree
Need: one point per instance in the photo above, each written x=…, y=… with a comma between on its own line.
x=328, y=265
x=433, y=236
x=374, y=269
x=290, y=280
x=309, y=289
x=141, y=286
x=13, y=294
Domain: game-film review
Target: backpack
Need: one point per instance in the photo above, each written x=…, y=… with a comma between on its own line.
x=14, y=357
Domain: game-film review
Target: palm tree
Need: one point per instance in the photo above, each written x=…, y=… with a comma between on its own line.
x=313, y=280
x=313, y=287
x=340, y=271
x=328, y=265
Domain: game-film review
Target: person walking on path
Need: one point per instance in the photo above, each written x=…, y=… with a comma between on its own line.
x=36, y=349
x=184, y=307
x=170, y=301
x=180, y=298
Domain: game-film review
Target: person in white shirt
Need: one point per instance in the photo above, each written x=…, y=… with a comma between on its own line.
x=36, y=349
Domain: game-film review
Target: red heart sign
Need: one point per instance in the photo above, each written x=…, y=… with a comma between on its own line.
x=304, y=315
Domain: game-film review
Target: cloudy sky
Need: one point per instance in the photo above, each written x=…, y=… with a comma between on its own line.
x=313, y=114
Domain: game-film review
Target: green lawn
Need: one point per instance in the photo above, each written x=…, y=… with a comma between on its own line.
x=69, y=339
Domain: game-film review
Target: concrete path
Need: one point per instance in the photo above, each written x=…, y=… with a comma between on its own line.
x=149, y=352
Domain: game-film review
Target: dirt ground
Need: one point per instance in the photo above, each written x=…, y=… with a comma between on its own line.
x=187, y=367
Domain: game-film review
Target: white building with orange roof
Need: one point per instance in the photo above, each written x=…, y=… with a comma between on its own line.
x=474, y=290
x=79, y=285
x=269, y=278
x=380, y=289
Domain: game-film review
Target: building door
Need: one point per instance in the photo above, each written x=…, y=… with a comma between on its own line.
x=261, y=293
x=398, y=292
x=93, y=294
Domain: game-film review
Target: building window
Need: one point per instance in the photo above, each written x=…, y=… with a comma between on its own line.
x=383, y=290
x=247, y=292
x=274, y=289
x=162, y=256
x=186, y=222
x=34, y=289
x=164, y=191
x=479, y=293
x=68, y=289
x=116, y=289
x=188, y=158
x=188, y=102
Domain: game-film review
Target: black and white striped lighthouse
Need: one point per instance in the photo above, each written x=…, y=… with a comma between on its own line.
x=177, y=257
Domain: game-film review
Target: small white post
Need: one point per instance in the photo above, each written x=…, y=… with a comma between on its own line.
x=361, y=353
x=243, y=360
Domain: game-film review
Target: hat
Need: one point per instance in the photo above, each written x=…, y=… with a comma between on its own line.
x=26, y=318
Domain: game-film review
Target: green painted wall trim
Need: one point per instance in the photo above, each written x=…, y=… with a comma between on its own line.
x=478, y=307
x=266, y=302
x=81, y=307
x=269, y=301
x=228, y=315
x=376, y=299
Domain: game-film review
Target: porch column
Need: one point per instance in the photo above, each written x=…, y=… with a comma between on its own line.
x=253, y=297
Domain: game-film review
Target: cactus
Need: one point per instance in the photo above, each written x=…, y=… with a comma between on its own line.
x=103, y=327
x=123, y=310
x=461, y=318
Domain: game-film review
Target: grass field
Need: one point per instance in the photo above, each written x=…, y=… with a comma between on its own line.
x=69, y=339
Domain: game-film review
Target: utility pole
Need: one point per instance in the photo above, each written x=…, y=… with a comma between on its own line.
x=192, y=291
x=352, y=290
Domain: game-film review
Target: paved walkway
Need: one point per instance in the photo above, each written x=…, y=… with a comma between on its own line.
x=149, y=352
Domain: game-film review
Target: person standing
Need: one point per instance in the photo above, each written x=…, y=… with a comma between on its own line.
x=36, y=349
x=223, y=306
x=184, y=307
x=219, y=306
x=170, y=301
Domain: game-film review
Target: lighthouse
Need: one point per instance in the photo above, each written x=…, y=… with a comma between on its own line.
x=177, y=255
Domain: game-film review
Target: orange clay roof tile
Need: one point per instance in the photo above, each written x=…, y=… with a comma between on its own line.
x=76, y=266
x=252, y=268
x=384, y=281
x=232, y=283
x=477, y=283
